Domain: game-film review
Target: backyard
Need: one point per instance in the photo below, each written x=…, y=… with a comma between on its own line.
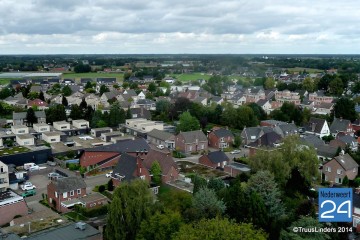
x=189, y=169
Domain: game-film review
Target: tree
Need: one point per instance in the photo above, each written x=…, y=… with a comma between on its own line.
x=5, y=92
x=132, y=203
x=308, y=84
x=55, y=113
x=88, y=85
x=264, y=184
x=269, y=83
x=258, y=111
x=128, y=114
x=83, y=104
x=152, y=87
x=207, y=203
x=237, y=141
x=199, y=183
x=336, y=86
x=64, y=101
x=304, y=222
x=216, y=184
x=181, y=105
x=30, y=117
x=110, y=185
x=345, y=108
x=97, y=116
x=218, y=229
x=160, y=226
x=66, y=91
x=82, y=68
x=41, y=96
x=101, y=124
x=156, y=172
x=345, y=181
x=187, y=123
x=33, y=95
x=76, y=112
x=116, y=115
x=88, y=113
x=103, y=89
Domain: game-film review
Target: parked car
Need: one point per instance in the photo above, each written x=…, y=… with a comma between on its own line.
x=235, y=151
x=51, y=163
x=34, y=168
x=27, y=166
x=28, y=193
x=28, y=186
x=160, y=146
x=109, y=174
x=53, y=174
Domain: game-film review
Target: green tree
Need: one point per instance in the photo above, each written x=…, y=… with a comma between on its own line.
x=160, y=226
x=345, y=181
x=5, y=92
x=41, y=96
x=55, y=113
x=336, y=86
x=216, y=184
x=88, y=113
x=88, y=85
x=237, y=141
x=207, y=203
x=97, y=116
x=76, y=112
x=128, y=113
x=218, y=229
x=304, y=222
x=66, y=91
x=103, y=89
x=30, y=117
x=82, y=68
x=152, y=87
x=345, y=108
x=264, y=184
x=199, y=183
x=132, y=203
x=101, y=124
x=269, y=83
x=116, y=115
x=308, y=84
x=64, y=101
x=187, y=123
x=33, y=95
x=156, y=172
x=83, y=104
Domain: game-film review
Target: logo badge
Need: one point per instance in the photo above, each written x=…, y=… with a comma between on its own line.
x=335, y=204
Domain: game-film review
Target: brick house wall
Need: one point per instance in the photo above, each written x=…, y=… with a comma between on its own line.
x=189, y=147
x=60, y=197
x=233, y=172
x=206, y=161
x=333, y=174
x=214, y=141
x=8, y=212
x=96, y=203
x=170, y=176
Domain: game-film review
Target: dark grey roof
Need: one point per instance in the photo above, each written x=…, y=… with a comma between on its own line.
x=262, y=102
x=286, y=129
x=346, y=161
x=222, y=132
x=125, y=167
x=216, y=99
x=131, y=92
x=105, y=80
x=54, y=80
x=85, y=80
x=192, y=136
x=127, y=145
x=110, y=95
x=10, y=236
x=315, y=125
x=22, y=115
x=347, y=139
x=312, y=140
x=75, y=88
x=68, y=232
x=326, y=151
x=253, y=133
x=267, y=140
x=217, y=157
x=339, y=125
x=68, y=184
x=141, y=112
x=158, y=134
x=145, y=101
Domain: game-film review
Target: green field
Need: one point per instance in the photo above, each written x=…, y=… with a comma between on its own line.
x=186, y=77
x=5, y=81
x=77, y=76
x=309, y=70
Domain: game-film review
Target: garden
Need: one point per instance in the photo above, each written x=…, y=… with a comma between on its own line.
x=13, y=150
x=190, y=169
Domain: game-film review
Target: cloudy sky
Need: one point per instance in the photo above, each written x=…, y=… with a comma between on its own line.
x=174, y=26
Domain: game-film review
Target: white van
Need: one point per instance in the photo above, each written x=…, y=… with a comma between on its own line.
x=34, y=168
x=27, y=166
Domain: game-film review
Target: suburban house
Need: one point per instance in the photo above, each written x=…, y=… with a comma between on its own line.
x=192, y=141
x=25, y=139
x=216, y=159
x=38, y=103
x=169, y=169
x=318, y=127
x=19, y=118
x=41, y=127
x=159, y=137
x=336, y=169
x=61, y=125
x=52, y=137
x=341, y=127
x=265, y=105
x=319, y=97
x=129, y=168
x=344, y=142
x=63, y=190
x=19, y=129
x=251, y=134
x=220, y=138
x=323, y=108
x=11, y=205
x=286, y=129
x=235, y=169
x=96, y=132
x=267, y=142
x=80, y=124
x=140, y=126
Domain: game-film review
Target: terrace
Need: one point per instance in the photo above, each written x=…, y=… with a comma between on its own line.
x=189, y=169
x=13, y=150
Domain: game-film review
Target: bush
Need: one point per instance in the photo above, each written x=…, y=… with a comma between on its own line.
x=357, y=182
x=94, y=212
x=102, y=188
x=110, y=185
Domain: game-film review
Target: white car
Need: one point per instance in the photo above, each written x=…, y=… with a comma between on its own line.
x=160, y=146
x=235, y=152
x=109, y=174
x=28, y=186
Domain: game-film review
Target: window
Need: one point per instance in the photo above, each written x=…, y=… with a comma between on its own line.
x=43, y=129
x=21, y=131
x=328, y=169
x=339, y=171
x=142, y=177
x=65, y=195
x=202, y=146
x=1, y=169
x=78, y=191
x=56, y=194
x=71, y=193
x=354, y=170
x=190, y=148
x=62, y=127
x=26, y=143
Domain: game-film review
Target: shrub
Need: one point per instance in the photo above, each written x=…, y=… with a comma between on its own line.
x=110, y=185
x=101, y=188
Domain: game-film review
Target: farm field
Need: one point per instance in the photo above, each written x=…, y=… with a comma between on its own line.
x=186, y=77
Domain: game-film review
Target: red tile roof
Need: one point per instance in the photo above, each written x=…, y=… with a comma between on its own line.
x=38, y=103
x=92, y=158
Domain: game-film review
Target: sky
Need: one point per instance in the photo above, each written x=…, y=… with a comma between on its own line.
x=179, y=27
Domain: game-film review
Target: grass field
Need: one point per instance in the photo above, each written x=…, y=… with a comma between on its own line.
x=309, y=70
x=5, y=81
x=77, y=76
x=186, y=77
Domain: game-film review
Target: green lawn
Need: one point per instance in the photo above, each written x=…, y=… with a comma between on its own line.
x=309, y=70
x=77, y=76
x=6, y=81
x=186, y=77
x=13, y=150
